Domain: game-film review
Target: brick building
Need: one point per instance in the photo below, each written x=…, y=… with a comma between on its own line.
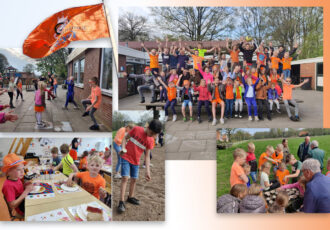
x=85, y=63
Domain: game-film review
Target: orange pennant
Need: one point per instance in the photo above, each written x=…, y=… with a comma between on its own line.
x=73, y=24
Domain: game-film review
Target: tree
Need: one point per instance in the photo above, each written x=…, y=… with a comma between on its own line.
x=54, y=63
x=133, y=27
x=3, y=63
x=229, y=132
x=29, y=68
x=120, y=120
x=195, y=23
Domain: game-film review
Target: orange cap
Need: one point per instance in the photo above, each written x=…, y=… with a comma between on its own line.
x=11, y=160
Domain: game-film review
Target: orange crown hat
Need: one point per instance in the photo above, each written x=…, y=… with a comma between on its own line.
x=147, y=68
x=11, y=160
x=186, y=82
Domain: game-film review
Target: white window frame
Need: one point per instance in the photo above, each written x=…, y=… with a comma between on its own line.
x=77, y=81
x=105, y=91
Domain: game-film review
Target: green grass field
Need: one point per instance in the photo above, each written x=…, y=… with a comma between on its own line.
x=225, y=157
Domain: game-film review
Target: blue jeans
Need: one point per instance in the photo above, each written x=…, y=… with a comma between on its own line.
x=253, y=176
x=117, y=149
x=168, y=104
x=251, y=101
x=206, y=103
x=163, y=94
x=287, y=73
x=55, y=90
x=229, y=107
x=128, y=169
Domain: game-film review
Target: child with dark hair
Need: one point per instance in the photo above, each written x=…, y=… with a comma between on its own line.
x=93, y=101
x=70, y=93
x=248, y=52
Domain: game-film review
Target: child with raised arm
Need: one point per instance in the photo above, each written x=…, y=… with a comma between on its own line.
x=171, y=97
x=203, y=99
x=70, y=93
x=234, y=54
x=137, y=141
x=286, y=61
x=153, y=55
x=91, y=180
x=250, y=97
x=165, y=53
x=217, y=91
x=267, y=156
x=238, y=93
x=13, y=190
x=248, y=52
x=207, y=75
x=287, y=97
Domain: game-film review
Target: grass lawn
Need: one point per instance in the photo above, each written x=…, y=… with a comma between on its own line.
x=225, y=157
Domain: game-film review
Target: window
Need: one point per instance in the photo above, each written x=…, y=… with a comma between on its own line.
x=78, y=71
x=106, y=69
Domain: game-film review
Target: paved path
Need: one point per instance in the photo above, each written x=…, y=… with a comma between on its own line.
x=193, y=141
x=58, y=120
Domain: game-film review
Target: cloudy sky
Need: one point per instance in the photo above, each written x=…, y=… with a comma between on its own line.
x=16, y=58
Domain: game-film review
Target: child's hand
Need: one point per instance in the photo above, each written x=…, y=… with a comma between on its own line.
x=124, y=74
x=69, y=183
x=10, y=116
x=28, y=188
x=6, y=106
x=102, y=193
x=148, y=177
x=285, y=178
x=306, y=80
x=180, y=76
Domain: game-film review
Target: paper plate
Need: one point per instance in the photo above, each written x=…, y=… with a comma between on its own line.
x=69, y=189
x=82, y=212
x=38, y=189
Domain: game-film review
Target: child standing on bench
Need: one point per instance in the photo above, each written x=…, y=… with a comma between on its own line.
x=171, y=98
x=203, y=99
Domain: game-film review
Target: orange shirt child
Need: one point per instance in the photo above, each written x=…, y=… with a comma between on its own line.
x=234, y=55
x=275, y=61
x=196, y=59
x=171, y=93
x=229, y=92
x=91, y=184
x=235, y=173
x=262, y=159
x=277, y=158
x=19, y=85
x=96, y=92
x=287, y=91
x=274, y=79
x=154, y=61
x=286, y=63
x=280, y=176
x=217, y=96
x=83, y=163
x=120, y=136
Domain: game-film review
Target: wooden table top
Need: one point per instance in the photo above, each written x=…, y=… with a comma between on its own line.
x=61, y=200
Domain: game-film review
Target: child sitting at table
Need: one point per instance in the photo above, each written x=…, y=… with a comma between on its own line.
x=56, y=158
x=13, y=189
x=107, y=156
x=91, y=180
x=138, y=140
x=67, y=162
x=83, y=161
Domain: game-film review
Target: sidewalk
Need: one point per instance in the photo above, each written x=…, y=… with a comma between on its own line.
x=58, y=120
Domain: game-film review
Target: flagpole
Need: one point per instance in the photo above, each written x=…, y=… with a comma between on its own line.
x=112, y=40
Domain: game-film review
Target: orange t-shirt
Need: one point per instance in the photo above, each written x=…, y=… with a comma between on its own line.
x=171, y=93
x=235, y=173
x=238, y=95
x=96, y=92
x=287, y=91
x=280, y=175
x=19, y=85
x=262, y=159
x=120, y=136
x=55, y=82
x=264, y=78
x=196, y=59
x=286, y=63
x=217, y=95
x=83, y=163
x=154, y=61
x=278, y=158
x=234, y=55
x=91, y=184
x=275, y=61
x=274, y=79
x=73, y=154
x=229, y=92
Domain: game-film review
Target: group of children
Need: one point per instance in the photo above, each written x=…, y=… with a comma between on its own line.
x=251, y=184
x=16, y=186
x=224, y=83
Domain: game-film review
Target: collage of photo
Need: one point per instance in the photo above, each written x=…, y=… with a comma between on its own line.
x=227, y=84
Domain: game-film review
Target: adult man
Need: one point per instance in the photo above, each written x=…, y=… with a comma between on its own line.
x=304, y=149
x=316, y=153
x=317, y=194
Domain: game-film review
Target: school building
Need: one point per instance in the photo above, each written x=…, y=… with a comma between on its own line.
x=85, y=63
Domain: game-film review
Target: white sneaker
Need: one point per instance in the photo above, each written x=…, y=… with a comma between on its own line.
x=256, y=118
x=250, y=118
x=75, y=107
x=166, y=118
x=117, y=176
x=222, y=121
x=174, y=117
x=214, y=122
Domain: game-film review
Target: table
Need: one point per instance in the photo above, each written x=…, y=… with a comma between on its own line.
x=65, y=200
x=107, y=169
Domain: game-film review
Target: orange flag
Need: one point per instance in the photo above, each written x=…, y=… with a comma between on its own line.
x=73, y=24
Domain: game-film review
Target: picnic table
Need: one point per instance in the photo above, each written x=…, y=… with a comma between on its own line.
x=60, y=200
x=107, y=169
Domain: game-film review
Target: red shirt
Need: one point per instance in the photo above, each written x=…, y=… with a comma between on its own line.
x=12, y=190
x=250, y=157
x=137, y=144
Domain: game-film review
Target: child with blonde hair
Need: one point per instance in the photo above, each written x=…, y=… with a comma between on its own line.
x=251, y=160
x=281, y=202
x=281, y=173
x=250, y=96
x=91, y=180
x=40, y=103
x=229, y=203
x=277, y=156
x=237, y=174
x=264, y=178
x=267, y=156
x=253, y=202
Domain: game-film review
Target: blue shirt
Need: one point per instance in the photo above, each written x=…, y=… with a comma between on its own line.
x=70, y=86
x=173, y=61
x=317, y=194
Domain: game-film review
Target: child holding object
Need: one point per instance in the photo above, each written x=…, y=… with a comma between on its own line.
x=91, y=180
x=138, y=140
x=13, y=189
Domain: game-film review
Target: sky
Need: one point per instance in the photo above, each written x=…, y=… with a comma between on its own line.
x=135, y=115
x=16, y=58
